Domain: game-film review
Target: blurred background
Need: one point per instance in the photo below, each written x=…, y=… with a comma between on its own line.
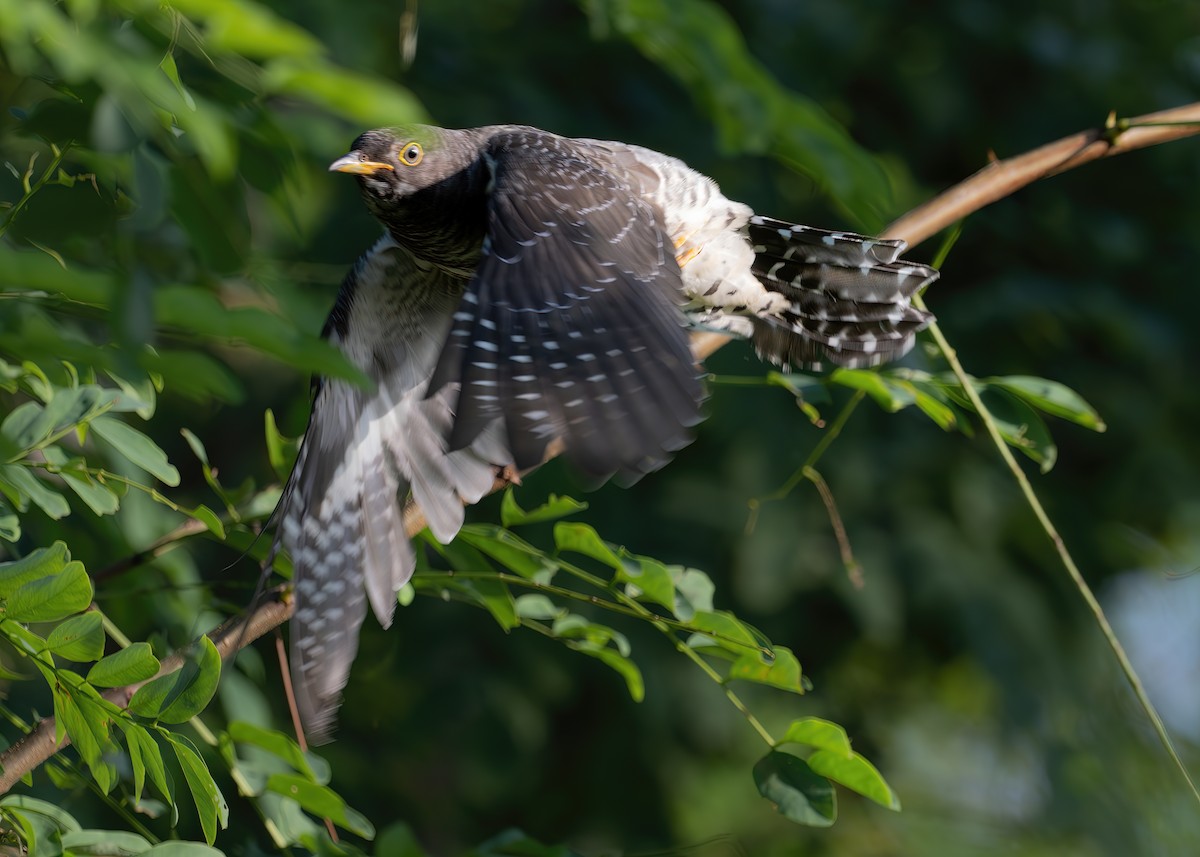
x=965, y=667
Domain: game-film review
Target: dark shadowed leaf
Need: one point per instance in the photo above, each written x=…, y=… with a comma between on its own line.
x=797, y=792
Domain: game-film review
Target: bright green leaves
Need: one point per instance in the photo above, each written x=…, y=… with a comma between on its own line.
x=1016, y=402
x=127, y=666
x=560, y=598
x=512, y=515
x=802, y=790
x=50, y=598
x=44, y=586
x=48, y=586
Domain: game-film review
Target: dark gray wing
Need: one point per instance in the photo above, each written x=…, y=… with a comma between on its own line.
x=571, y=327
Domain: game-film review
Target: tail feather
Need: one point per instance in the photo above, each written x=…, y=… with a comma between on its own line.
x=850, y=296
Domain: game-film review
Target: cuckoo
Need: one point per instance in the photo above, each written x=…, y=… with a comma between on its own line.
x=531, y=289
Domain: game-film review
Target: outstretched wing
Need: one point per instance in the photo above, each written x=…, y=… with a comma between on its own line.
x=571, y=327
x=364, y=450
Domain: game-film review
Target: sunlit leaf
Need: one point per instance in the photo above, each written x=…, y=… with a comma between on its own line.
x=512, y=515
x=856, y=774
x=782, y=671
x=39, y=563
x=48, y=599
x=127, y=666
x=79, y=638
x=1051, y=397
x=581, y=538
x=822, y=734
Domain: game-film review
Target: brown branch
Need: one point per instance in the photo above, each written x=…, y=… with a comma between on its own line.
x=22, y=757
x=1002, y=178
x=993, y=182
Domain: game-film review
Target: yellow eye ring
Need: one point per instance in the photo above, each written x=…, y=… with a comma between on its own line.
x=411, y=154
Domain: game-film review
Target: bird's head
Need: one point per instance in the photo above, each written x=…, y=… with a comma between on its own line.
x=392, y=164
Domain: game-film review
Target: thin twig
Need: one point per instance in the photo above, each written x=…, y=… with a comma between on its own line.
x=1060, y=547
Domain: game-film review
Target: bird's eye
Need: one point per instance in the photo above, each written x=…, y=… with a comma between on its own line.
x=411, y=154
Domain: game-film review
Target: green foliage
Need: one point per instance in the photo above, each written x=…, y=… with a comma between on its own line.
x=169, y=244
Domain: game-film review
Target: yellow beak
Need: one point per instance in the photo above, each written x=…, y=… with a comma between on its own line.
x=353, y=164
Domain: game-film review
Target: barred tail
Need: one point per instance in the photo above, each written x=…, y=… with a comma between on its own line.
x=850, y=296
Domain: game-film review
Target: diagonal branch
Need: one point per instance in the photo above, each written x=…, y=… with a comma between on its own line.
x=995, y=181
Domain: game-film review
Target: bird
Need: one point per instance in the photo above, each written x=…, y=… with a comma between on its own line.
x=531, y=289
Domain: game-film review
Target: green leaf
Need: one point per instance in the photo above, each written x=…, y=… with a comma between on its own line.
x=798, y=793
x=856, y=774
x=889, y=396
x=39, y=563
x=1051, y=397
x=79, y=638
x=209, y=518
x=649, y=580
x=103, y=843
x=182, y=849
x=128, y=666
x=146, y=758
x=39, y=823
x=822, y=734
x=88, y=726
x=1021, y=427
x=48, y=599
x=137, y=447
x=100, y=498
x=26, y=484
x=509, y=550
x=693, y=592
x=210, y=803
x=495, y=597
x=724, y=630
x=275, y=743
x=624, y=667
x=322, y=802
x=782, y=672
x=538, y=607
x=512, y=515
x=181, y=695
x=281, y=451
x=581, y=538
